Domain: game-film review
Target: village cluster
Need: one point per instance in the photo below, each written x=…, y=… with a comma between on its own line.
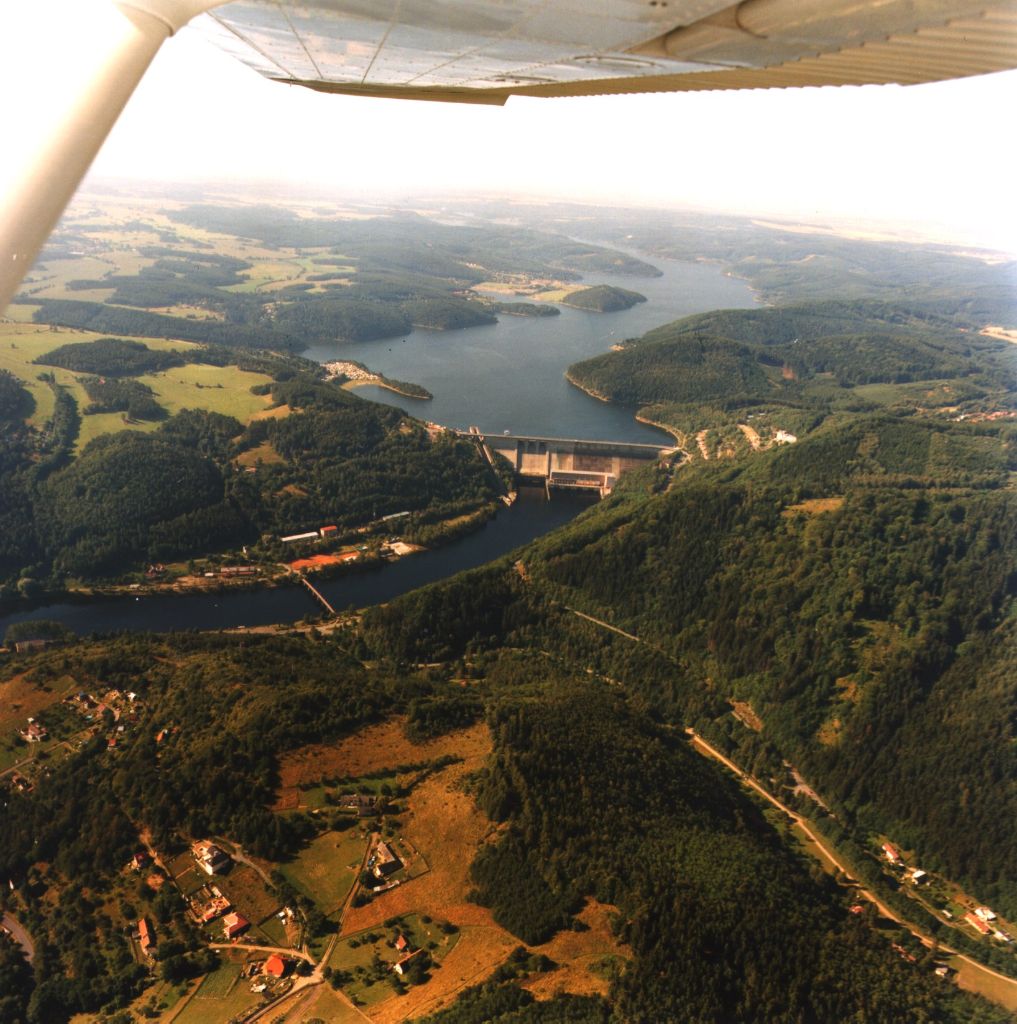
x=113, y=713
x=210, y=904
x=982, y=919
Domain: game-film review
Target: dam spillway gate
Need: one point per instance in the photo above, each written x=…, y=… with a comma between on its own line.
x=572, y=463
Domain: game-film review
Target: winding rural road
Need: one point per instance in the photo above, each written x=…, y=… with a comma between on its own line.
x=20, y=936
x=974, y=976
x=977, y=975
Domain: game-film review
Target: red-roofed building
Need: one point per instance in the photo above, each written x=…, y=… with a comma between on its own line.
x=328, y=531
x=977, y=923
x=276, y=966
x=146, y=937
x=234, y=925
x=402, y=943
x=891, y=854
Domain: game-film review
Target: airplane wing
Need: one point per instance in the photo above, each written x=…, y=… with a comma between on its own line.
x=483, y=51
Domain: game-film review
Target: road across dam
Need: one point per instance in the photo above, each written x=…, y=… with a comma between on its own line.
x=571, y=463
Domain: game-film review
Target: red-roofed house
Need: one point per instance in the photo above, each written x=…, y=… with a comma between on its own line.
x=891, y=854
x=146, y=937
x=977, y=923
x=276, y=966
x=234, y=924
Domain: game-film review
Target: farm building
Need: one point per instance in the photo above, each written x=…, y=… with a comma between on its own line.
x=34, y=732
x=276, y=966
x=891, y=854
x=977, y=923
x=366, y=805
x=210, y=858
x=146, y=937
x=234, y=924
x=385, y=861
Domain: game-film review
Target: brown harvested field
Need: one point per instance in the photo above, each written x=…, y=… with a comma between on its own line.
x=376, y=748
x=264, y=453
x=477, y=953
x=447, y=827
x=1002, y=333
x=577, y=953
x=815, y=506
x=21, y=697
x=743, y=711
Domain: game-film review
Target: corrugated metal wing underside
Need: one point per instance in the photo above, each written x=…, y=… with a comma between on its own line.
x=487, y=50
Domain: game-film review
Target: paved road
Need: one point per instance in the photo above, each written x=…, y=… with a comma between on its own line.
x=20, y=936
x=988, y=989
x=977, y=975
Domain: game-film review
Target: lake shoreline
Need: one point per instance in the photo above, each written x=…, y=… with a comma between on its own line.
x=587, y=390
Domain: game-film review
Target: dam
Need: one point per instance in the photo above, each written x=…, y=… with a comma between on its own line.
x=570, y=463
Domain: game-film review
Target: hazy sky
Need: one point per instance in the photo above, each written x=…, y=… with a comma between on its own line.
x=938, y=157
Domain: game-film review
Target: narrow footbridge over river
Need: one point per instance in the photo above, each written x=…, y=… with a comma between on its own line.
x=571, y=463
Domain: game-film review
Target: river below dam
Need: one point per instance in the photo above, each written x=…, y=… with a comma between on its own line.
x=504, y=376
x=531, y=516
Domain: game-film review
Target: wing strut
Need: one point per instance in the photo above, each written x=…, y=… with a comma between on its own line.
x=52, y=171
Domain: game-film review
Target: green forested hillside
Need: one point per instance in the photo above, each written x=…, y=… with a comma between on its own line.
x=688, y=369
x=111, y=357
x=599, y=801
x=856, y=589
x=98, y=512
x=342, y=320
x=593, y=796
x=791, y=369
x=603, y=298
x=203, y=482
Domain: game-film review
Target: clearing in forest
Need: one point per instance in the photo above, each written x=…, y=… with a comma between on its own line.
x=374, y=749
x=586, y=959
x=815, y=506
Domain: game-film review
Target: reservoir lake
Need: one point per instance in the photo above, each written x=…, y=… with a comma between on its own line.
x=504, y=376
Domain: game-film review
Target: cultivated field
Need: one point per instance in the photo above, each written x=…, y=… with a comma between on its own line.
x=243, y=887
x=327, y=868
x=220, y=997
x=225, y=389
x=319, y=1003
